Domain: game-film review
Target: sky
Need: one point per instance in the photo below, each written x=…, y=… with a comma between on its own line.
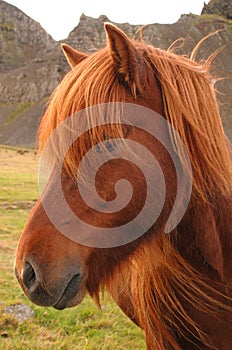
x=60, y=17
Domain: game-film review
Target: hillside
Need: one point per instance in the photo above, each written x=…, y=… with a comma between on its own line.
x=32, y=64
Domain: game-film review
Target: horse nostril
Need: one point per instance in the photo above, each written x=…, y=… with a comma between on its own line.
x=29, y=276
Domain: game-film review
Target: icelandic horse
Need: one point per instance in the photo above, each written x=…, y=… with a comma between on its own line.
x=176, y=286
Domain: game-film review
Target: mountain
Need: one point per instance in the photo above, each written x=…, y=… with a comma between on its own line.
x=22, y=39
x=219, y=7
x=32, y=64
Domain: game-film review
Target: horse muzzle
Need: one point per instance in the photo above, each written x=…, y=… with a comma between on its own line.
x=66, y=292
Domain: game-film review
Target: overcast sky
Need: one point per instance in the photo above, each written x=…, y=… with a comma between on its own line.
x=60, y=17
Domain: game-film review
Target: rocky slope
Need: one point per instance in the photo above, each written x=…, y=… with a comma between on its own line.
x=32, y=64
x=219, y=7
x=22, y=39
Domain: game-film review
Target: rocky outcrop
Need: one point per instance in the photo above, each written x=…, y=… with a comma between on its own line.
x=29, y=64
x=32, y=63
x=89, y=36
x=30, y=69
x=219, y=7
x=21, y=38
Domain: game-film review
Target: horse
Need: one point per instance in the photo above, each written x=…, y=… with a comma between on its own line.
x=176, y=284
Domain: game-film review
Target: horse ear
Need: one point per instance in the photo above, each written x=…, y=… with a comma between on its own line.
x=128, y=61
x=73, y=56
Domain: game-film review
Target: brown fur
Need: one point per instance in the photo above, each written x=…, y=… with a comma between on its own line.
x=177, y=287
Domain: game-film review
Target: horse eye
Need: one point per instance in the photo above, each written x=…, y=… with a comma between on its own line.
x=98, y=148
x=108, y=145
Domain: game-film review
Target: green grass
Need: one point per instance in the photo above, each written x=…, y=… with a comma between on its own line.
x=18, y=110
x=84, y=327
x=214, y=17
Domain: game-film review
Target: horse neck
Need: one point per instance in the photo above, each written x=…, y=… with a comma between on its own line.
x=205, y=237
x=164, y=286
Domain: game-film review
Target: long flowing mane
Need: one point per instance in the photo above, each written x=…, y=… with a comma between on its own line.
x=160, y=283
x=189, y=100
x=191, y=108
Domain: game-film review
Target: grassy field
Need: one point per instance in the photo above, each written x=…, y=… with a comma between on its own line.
x=84, y=327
